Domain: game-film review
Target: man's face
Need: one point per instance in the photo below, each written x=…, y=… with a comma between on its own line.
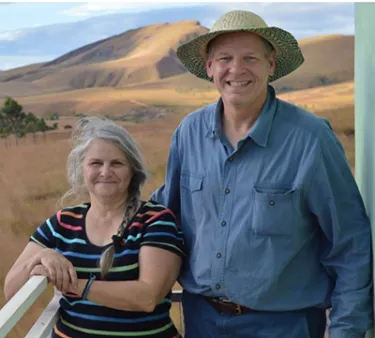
x=240, y=68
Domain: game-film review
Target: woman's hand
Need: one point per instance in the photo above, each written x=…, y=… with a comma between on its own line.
x=60, y=271
x=39, y=270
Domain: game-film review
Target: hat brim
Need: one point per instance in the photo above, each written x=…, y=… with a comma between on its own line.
x=289, y=57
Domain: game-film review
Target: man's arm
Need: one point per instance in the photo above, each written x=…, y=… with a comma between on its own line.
x=335, y=200
x=169, y=193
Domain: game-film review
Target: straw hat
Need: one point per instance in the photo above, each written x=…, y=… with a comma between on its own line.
x=288, y=54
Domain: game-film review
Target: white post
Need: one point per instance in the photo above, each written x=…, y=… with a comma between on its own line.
x=16, y=307
x=365, y=108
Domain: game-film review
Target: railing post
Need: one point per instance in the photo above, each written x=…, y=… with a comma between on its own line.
x=16, y=307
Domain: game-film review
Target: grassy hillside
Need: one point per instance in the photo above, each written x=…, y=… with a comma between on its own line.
x=328, y=59
x=138, y=55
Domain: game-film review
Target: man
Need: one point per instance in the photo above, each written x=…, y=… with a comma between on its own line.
x=275, y=226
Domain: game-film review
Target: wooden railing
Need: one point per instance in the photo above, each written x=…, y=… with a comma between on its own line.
x=16, y=307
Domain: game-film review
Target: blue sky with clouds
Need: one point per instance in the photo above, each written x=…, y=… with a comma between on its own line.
x=32, y=14
x=22, y=24
x=23, y=15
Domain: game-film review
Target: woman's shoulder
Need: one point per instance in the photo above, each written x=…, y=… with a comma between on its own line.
x=153, y=209
x=73, y=213
x=153, y=205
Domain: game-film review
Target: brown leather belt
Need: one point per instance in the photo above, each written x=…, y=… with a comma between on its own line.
x=226, y=306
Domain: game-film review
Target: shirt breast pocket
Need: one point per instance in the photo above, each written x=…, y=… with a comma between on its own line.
x=192, y=192
x=273, y=211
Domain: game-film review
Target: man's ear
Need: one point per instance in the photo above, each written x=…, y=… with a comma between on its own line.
x=272, y=63
x=209, y=67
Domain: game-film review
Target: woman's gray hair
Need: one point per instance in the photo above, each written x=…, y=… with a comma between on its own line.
x=87, y=130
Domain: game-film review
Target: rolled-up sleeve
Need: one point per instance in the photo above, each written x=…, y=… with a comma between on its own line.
x=334, y=199
x=169, y=193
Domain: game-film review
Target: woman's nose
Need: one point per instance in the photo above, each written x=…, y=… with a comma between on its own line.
x=105, y=170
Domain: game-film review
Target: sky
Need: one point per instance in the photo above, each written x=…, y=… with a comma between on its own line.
x=32, y=14
x=24, y=15
x=20, y=19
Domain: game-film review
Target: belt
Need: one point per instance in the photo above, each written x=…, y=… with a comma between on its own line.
x=223, y=305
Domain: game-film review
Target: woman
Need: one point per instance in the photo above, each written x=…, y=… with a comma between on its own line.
x=114, y=258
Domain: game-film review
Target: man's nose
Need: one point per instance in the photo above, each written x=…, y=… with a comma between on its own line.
x=237, y=66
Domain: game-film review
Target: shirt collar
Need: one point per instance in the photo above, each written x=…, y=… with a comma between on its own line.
x=260, y=131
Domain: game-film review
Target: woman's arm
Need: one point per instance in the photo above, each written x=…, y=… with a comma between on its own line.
x=20, y=271
x=159, y=270
x=60, y=271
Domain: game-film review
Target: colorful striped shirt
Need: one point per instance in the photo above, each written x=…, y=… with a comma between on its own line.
x=153, y=225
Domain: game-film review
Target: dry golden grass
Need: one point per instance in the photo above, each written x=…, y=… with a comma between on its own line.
x=330, y=57
x=115, y=101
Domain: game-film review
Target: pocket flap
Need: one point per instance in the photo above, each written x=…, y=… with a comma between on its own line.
x=192, y=182
x=272, y=193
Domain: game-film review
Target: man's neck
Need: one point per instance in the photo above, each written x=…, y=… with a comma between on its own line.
x=237, y=121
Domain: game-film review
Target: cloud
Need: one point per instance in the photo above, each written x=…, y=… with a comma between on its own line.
x=10, y=35
x=95, y=8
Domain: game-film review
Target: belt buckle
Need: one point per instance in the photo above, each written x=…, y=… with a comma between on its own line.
x=238, y=307
x=225, y=300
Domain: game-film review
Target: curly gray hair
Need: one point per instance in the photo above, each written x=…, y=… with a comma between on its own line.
x=87, y=130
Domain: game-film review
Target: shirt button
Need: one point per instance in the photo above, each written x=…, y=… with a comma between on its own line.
x=271, y=203
x=217, y=286
x=218, y=255
x=227, y=191
x=223, y=223
x=230, y=159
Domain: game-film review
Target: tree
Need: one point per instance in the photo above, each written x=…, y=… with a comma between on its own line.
x=12, y=117
x=14, y=121
x=42, y=126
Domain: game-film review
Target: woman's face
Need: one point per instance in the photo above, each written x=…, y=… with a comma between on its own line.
x=106, y=171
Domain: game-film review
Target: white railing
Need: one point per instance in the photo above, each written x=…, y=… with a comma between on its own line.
x=16, y=307
x=42, y=328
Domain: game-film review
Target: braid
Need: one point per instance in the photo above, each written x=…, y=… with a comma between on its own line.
x=107, y=257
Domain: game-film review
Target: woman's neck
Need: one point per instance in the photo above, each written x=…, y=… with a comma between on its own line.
x=107, y=210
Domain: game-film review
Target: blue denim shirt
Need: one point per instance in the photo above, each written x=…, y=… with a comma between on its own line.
x=276, y=223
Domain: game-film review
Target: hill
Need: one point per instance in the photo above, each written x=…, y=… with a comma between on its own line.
x=138, y=55
x=329, y=59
